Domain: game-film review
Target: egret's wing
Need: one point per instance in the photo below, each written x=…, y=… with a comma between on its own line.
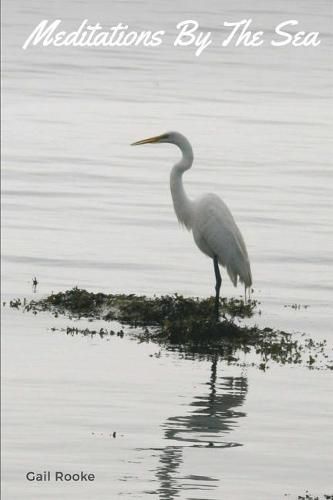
x=217, y=227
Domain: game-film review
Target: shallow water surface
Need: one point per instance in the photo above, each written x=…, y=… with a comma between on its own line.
x=185, y=428
x=81, y=207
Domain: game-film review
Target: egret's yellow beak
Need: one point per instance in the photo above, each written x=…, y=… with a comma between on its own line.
x=147, y=141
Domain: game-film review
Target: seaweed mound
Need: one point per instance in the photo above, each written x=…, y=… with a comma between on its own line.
x=188, y=324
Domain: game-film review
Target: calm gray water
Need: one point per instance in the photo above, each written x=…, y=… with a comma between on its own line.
x=81, y=207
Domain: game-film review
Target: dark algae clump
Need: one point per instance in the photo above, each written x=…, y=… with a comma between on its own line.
x=309, y=496
x=139, y=310
x=75, y=301
x=188, y=324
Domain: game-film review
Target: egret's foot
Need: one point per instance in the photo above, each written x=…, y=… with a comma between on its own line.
x=219, y=318
x=216, y=312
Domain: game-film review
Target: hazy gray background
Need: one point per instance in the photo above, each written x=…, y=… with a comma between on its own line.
x=81, y=207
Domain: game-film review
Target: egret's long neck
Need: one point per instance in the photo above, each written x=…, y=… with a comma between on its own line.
x=182, y=204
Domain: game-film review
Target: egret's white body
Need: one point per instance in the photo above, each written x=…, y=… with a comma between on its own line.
x=214, y=229
x=216, y=233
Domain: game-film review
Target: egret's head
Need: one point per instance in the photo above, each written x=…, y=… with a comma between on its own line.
x=172, y=138
x=167, y=137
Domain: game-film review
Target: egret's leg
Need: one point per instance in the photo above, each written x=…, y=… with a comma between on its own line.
x=217, y=286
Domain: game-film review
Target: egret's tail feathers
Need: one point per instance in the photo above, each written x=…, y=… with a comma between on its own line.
x=232, y=275
x=243, y=273
x=247, y=277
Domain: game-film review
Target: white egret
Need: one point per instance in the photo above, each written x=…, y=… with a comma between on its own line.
x=214, y=229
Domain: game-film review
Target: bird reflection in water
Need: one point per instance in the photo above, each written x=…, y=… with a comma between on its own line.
x=212, y=416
